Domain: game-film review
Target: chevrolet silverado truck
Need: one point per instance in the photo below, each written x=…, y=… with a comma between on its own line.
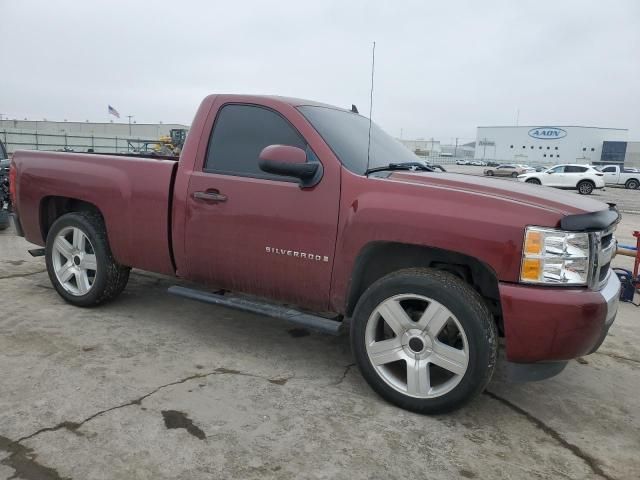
x=310, y=213
x=614, y=175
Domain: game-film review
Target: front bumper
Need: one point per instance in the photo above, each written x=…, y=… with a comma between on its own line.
x=543, y=324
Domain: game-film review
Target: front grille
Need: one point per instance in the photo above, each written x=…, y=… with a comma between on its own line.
x=604, y=246
x=604, y=270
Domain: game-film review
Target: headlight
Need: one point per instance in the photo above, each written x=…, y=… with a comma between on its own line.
x=555, y=257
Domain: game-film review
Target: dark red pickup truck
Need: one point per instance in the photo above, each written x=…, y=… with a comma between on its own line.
x=283, y=207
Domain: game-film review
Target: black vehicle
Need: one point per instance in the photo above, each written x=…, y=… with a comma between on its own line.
x=5, y=200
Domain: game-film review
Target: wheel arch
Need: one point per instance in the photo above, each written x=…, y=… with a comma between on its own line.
x=586, y=180
x=378, y=259
x=53, y=207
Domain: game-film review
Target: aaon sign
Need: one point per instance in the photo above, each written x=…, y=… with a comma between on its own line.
x=547, y=133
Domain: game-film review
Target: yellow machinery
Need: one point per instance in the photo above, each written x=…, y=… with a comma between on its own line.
x=171, y=144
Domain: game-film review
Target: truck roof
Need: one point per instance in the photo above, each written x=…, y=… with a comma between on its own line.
x=295, y=102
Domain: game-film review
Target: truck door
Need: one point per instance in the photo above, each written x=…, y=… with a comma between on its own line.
x=264, y=235
x=610, y=175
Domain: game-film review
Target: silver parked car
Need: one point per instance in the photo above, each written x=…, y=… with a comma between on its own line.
x=507, y=170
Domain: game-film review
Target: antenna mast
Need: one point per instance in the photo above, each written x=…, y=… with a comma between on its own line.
x=373, y=65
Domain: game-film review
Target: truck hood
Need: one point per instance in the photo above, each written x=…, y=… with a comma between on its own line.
x=552, y=199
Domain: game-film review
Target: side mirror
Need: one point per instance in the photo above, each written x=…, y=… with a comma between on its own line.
x=290, y=162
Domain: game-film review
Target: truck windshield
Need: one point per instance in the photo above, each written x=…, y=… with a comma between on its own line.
x=347, y=134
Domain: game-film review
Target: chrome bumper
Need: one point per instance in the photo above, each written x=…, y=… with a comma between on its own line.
x=611, y=294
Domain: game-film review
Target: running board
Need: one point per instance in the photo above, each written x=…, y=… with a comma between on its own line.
x=314, y=322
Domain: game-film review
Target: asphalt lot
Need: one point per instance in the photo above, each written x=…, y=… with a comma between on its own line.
x=628, y=201
x=158, y=387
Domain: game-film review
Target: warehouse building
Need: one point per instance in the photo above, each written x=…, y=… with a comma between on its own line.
x=551, y=144
x=80, y=136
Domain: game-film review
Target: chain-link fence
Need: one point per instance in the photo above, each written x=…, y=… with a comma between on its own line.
x=74, y=143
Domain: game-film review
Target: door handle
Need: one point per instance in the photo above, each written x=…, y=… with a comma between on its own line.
x=210, y=196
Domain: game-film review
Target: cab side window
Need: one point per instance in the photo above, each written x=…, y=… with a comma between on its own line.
x=239, y=134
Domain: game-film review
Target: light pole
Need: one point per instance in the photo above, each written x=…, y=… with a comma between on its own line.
x=130, y=117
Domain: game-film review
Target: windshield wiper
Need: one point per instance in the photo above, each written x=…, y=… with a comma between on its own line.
x=412, y=166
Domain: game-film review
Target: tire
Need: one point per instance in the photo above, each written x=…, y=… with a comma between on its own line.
x=534, y=181
x=514, y=175
x=460, y=319
x=4, y=219
x=632, y=184
x=489, y=173
x=69, y=264
x=585, y=187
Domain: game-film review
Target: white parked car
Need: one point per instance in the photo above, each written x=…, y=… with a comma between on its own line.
x=630, y=178
x=583, y=178
x=526, y=168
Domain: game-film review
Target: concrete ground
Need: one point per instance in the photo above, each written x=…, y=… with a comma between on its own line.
x=157, y=387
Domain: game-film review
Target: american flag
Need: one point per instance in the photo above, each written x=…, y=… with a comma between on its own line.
x=113, y=112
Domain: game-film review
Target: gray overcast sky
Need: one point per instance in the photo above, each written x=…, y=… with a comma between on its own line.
x=442, y=68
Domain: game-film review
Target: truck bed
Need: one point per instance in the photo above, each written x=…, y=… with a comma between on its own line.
x=133, y=193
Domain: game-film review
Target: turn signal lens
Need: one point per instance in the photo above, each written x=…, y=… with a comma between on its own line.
x=531, y=269
x=533, y=243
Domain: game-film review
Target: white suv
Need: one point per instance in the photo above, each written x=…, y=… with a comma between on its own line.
x=583, y=178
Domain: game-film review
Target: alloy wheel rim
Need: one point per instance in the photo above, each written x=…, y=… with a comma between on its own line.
x=417, y=346
x=74, y=261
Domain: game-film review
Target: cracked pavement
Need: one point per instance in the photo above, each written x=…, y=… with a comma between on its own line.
x=153, y=387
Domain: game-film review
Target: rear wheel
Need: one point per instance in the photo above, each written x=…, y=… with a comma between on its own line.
x=534, y=181
x=585, y=187
x=424, y=340
x=632, y=184
x=79, y=260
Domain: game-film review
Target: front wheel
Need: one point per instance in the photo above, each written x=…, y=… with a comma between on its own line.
x=585, y=187
x=79, y=260
x=489, y=173
x=424, y=340
x=533, y=181
x=514, y=175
